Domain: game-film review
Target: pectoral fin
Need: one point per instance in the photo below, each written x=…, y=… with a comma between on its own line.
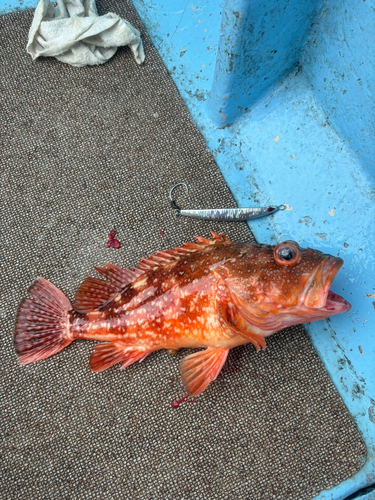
x=201, y=368
x=256, y=317
x=225, y=322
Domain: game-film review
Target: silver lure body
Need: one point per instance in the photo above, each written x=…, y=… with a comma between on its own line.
x=223, y=214
x=229, y=214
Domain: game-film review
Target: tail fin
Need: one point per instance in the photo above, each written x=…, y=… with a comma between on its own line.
x=42, y=324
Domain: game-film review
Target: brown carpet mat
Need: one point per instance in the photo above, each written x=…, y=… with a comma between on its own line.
x=84, y=151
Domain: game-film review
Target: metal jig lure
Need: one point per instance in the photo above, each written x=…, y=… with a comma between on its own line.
x=223, y=214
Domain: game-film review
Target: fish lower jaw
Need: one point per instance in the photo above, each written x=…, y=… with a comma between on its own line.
x=335, y=304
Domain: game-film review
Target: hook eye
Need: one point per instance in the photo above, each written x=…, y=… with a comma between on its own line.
x=179, y=184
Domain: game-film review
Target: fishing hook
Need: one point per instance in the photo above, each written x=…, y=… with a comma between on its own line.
x=175, y=207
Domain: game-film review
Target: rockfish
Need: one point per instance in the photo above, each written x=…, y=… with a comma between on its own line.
x=212, y=294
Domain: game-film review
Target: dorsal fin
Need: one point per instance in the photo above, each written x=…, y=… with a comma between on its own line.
x=94, y=292
x=217, y=239
x=118, y=276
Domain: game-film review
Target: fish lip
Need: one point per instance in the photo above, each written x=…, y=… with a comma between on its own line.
x=329, y=302
x=333, y=303
x=336, y=304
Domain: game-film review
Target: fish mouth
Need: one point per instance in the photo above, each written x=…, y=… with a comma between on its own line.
x=319, y=295
x=336, y=304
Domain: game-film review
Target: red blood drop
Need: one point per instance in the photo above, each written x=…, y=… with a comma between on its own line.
x=112, y=242
x=176, y=404
x=161, y=233
x=116, y=244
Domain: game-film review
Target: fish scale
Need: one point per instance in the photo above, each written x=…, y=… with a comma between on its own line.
x=212, y=294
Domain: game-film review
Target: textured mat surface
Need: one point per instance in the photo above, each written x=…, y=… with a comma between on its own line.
x=84, y=151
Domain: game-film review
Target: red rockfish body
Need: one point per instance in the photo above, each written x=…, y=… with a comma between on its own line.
x=213, y=294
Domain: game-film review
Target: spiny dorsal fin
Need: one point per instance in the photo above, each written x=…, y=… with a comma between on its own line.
x=162, y=258
x=117, y=275
x=220, y=237
x=94, y=292
x=217, y=239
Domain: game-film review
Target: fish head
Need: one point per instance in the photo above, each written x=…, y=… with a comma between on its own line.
x=283, y=285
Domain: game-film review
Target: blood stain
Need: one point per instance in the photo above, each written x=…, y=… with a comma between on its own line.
x=112, y=242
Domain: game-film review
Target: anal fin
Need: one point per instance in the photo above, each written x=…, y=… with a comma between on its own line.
x=198, y=370
x=108, y=354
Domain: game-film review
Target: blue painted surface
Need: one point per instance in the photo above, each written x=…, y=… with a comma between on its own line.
x=16, y=5
x=260, y=42
x=300, y=145
x=339, y=61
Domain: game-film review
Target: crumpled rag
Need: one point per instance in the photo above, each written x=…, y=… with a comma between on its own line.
x=74, y=33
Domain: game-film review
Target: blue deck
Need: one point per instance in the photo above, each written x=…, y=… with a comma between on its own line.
x=283, y=94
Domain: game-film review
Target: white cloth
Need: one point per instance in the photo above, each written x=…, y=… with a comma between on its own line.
x=72, y=31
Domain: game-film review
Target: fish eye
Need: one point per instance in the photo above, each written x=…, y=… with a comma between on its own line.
x=287, y=254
